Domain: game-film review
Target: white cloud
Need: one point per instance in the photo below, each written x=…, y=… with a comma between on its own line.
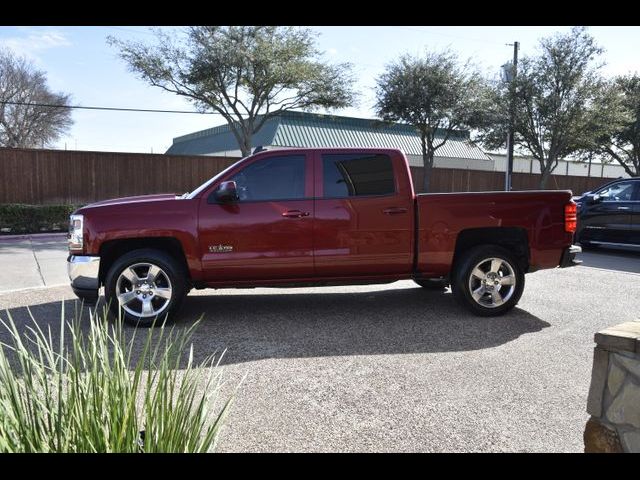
x=33, y=43
x=332, y=51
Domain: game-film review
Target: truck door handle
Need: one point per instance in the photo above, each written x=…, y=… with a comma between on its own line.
x=295, y=214
x=394, y=210
x=624, y=208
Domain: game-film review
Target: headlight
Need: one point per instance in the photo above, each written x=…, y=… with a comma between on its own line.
x=76, y=224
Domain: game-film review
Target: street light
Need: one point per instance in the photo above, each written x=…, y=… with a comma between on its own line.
x=506, y=74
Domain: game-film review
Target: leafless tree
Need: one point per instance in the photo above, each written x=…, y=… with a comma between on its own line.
x=22, y=124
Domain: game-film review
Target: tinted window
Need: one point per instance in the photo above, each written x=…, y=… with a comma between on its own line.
x=618, y=192
x=274, y=178
x=357, y=174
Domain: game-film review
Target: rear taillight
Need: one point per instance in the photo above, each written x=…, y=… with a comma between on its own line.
x=570, y=217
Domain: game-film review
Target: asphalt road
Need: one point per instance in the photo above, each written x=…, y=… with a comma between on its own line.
x=397, y=368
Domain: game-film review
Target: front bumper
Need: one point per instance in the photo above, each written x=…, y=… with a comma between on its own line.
x=83, y=273
x=568, y=258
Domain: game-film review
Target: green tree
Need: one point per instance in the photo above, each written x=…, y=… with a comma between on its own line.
x=622, y=140
x=435, y=94
x=560, y=109
x=247, y=74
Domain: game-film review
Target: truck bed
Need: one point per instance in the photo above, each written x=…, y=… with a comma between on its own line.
x=536, y=214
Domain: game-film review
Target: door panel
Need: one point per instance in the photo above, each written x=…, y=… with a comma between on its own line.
x=362, y=233
x=268, y=233
x=356, y=237
x=635, y=218
x=266, y=244
x=607, y=222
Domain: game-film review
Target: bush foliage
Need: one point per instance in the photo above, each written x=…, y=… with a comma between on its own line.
x=20, y=218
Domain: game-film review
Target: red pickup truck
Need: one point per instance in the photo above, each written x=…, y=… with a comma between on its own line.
x=301, y=217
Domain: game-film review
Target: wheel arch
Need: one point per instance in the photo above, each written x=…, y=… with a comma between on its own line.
x=514, y=239
x=111, y=250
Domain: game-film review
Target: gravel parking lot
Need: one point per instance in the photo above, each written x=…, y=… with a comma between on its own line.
x=397, y=368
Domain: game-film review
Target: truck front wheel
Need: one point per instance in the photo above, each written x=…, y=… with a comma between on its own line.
x=145, y=285
x=488, y=280
x=432, y=283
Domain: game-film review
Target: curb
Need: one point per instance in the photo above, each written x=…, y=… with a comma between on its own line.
x=33, y=236
x=28, y=289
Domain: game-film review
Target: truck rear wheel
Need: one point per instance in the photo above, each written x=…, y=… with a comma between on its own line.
x=147, y=286
x=488, y=280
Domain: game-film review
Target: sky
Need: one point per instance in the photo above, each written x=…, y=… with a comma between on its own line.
x=78, y=61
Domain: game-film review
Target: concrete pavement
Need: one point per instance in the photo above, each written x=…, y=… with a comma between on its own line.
x=33, y=261
x=395, y=367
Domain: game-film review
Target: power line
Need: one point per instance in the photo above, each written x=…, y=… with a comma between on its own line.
x=117, y=109
x=145, y=32
x=431, y=32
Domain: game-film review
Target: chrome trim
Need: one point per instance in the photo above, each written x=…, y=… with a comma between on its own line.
x=575, y=249
x=615, y=244
x=83, y=271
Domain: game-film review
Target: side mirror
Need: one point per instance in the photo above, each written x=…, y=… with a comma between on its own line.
x=592, y=199
x=227, y=192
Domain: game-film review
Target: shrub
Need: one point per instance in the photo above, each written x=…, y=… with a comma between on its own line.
x=89, y=391
x=21, y=218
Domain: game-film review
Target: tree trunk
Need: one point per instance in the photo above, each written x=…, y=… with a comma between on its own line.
x=427, y=164
x=544, y=177
x=426, y=177
x=245, y=146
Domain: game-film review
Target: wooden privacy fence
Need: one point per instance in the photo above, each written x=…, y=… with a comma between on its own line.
x=462, y=180
x=59, y=176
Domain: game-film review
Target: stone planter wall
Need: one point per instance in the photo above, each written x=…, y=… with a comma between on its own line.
x=614, y=395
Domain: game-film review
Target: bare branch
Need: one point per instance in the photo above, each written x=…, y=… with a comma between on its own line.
x=27, y=125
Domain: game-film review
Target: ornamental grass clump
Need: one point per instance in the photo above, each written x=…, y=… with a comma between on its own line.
x=92, y=389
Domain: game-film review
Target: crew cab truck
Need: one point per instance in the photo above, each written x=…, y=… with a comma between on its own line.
x=301, y=217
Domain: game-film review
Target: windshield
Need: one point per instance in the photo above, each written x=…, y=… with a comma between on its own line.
x=206, y=184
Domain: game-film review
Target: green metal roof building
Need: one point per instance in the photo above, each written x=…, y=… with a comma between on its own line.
x=301, y=129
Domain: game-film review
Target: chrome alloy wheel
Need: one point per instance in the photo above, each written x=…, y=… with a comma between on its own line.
x=143, y=290
x=492, y=282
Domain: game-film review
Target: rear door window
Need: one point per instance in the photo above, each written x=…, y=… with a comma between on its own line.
x=355, y=175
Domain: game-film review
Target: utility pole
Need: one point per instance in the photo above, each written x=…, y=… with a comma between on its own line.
x=512, y=114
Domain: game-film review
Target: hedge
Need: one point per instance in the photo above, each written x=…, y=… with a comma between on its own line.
x=20, y=218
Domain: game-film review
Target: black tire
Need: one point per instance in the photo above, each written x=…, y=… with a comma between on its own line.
x=432, y=283
x=172, y=280
x=464, y=281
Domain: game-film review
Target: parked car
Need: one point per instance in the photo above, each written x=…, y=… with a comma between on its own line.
x=300, y=217
x=610, y=215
